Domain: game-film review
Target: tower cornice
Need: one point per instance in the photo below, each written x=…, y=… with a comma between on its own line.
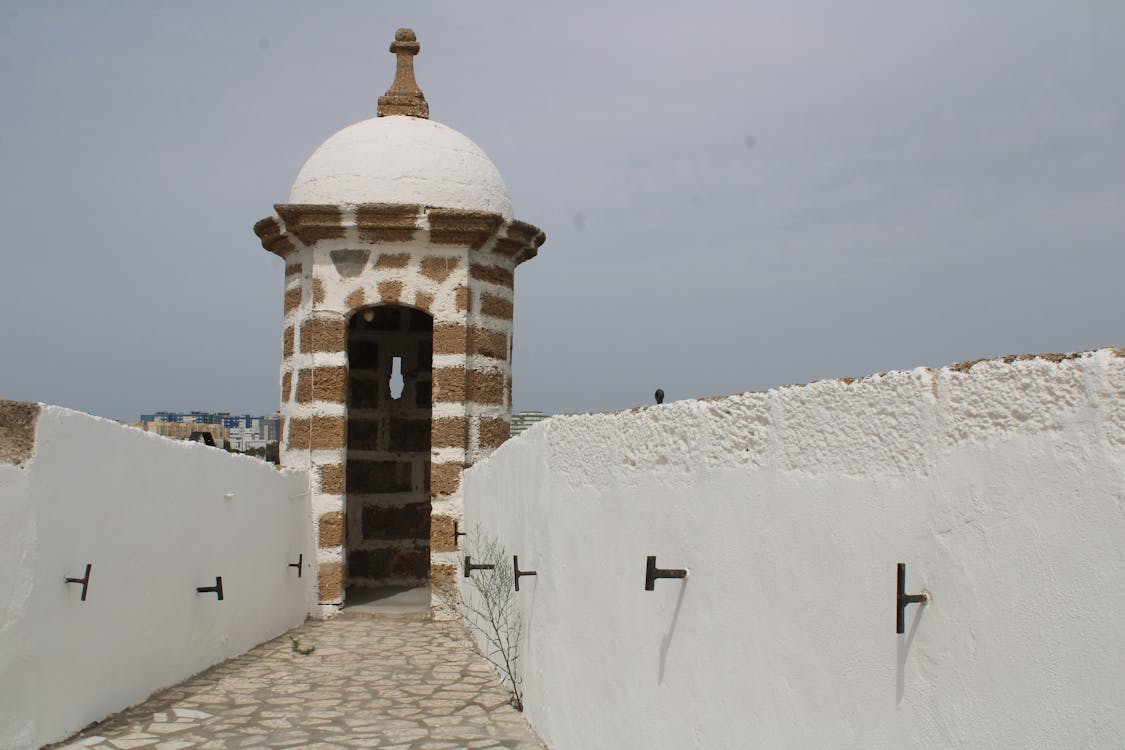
x=304, y=225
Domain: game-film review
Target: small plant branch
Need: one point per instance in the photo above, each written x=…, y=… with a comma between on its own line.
x=492, y=612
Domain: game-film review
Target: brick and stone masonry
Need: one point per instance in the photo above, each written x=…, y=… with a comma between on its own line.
x=388, y=458
x=367, y=282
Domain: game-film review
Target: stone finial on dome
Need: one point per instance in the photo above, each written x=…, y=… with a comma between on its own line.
x=404, y=97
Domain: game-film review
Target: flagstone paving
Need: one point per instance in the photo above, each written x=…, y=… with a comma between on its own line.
x=383, y=683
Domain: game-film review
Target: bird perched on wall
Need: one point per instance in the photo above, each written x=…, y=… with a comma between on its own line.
x=660, y=395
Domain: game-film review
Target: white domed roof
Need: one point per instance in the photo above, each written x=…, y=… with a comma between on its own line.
x=400, y=159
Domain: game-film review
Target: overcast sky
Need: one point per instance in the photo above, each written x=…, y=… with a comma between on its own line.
x=736, y=195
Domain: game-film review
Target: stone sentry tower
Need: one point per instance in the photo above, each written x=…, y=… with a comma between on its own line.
x=400, y=249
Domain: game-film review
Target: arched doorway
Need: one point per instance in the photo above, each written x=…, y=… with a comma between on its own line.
x=390, y=358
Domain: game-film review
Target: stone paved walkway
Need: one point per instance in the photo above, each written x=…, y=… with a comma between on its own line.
x=383, y=683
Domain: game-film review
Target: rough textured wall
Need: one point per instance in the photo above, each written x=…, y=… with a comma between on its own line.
x=457, y=266
x=156, y=518
x=1001, y=485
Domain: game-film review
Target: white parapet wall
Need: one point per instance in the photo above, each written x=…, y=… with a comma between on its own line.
x=1000, y=485
x=156, y=518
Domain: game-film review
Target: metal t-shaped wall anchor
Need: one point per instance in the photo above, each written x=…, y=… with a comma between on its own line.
x=299, y=565
x=652, y=573
x=217, y=589
x=470, y=567
x=516, y=572
x=903, y=599
x=84, y=580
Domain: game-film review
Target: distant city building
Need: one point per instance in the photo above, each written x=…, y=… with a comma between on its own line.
x=184, y=430
x=244, y=432
x=525, y=419
x=247, y=432
x=273, y=427
x=203, y=417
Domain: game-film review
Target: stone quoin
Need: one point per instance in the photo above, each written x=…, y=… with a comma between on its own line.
x=400, y=247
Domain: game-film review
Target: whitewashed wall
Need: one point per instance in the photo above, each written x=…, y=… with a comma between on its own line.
x=1001, y=487
x=153, y=517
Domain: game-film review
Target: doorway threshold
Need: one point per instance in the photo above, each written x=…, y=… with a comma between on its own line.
x=401, y=602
